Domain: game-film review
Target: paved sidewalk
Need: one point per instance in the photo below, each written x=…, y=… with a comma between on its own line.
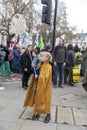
x=68, y=109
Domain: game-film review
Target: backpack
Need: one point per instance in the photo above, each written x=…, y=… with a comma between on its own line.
x=11, y=56
x=79, y=58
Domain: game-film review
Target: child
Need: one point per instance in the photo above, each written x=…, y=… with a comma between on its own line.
x=39, y=91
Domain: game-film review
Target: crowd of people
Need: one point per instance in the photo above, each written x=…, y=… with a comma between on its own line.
x=63, y=65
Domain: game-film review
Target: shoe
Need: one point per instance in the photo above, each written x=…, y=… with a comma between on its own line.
x=65, y=82
x=35, y=117
x=55, y=86
x=25, y=88
x=22, y=85
x=60, y=86
x=72, y=84
x=14, y=77
x=47, y=118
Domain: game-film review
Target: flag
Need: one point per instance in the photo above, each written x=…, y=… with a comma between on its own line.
x=36, y=39
x=41, y=44
x=24, y=38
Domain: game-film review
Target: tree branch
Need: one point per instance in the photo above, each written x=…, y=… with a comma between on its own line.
x=24, y=7
x=2, y=15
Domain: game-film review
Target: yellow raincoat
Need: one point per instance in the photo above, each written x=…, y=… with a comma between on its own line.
x=41, y=98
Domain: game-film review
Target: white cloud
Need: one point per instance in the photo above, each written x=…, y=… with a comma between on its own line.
x=76, y=10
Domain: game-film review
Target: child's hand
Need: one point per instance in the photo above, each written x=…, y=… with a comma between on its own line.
x=36, y=76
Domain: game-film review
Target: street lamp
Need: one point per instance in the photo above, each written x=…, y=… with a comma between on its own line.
x=54, y=24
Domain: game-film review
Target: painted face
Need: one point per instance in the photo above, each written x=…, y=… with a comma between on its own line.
x=44, y=56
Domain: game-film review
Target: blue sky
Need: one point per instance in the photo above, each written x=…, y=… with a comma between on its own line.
x=77, y=13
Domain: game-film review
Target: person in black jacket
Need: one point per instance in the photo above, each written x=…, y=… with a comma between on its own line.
x=26, y=61
x=70, y=63
x=59, y=59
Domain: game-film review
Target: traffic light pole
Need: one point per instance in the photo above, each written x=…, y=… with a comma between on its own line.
x=54, y=24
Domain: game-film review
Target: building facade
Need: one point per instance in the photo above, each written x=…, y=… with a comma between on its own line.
x=80, y=40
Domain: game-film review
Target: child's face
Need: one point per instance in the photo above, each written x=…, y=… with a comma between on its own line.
x=43, y=57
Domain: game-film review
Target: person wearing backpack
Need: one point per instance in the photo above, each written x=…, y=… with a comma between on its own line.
x=15, y=63
x=78, y=61
x=6, y=71
x=70, y=63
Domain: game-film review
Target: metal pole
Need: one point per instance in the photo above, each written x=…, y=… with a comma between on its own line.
x=54, y=24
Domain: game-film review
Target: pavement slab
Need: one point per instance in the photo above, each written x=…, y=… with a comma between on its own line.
x=53, y=114
x=71, y=97
x=73, y=100
x=84, y=100
x=11, y=114
x=13, y=91
x=80, y=116
x=74, y=116
x=70, y=127
x=5, y=101
x=26, y=113
x=1, y=108
x=18, y=102
x=74, y=104
x=55, y=100
x=38, y=125
x=64, y=115
x=9, y=126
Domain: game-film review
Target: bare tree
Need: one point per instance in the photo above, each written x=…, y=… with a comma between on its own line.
x=12, y=7
x=63, y=27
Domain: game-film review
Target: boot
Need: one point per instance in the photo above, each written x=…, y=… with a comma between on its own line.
x=22, y=85
x=25, y=86
x=35, y=117
x=47, y=118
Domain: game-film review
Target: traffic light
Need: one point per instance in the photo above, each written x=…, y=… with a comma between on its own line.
x=46, y=11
